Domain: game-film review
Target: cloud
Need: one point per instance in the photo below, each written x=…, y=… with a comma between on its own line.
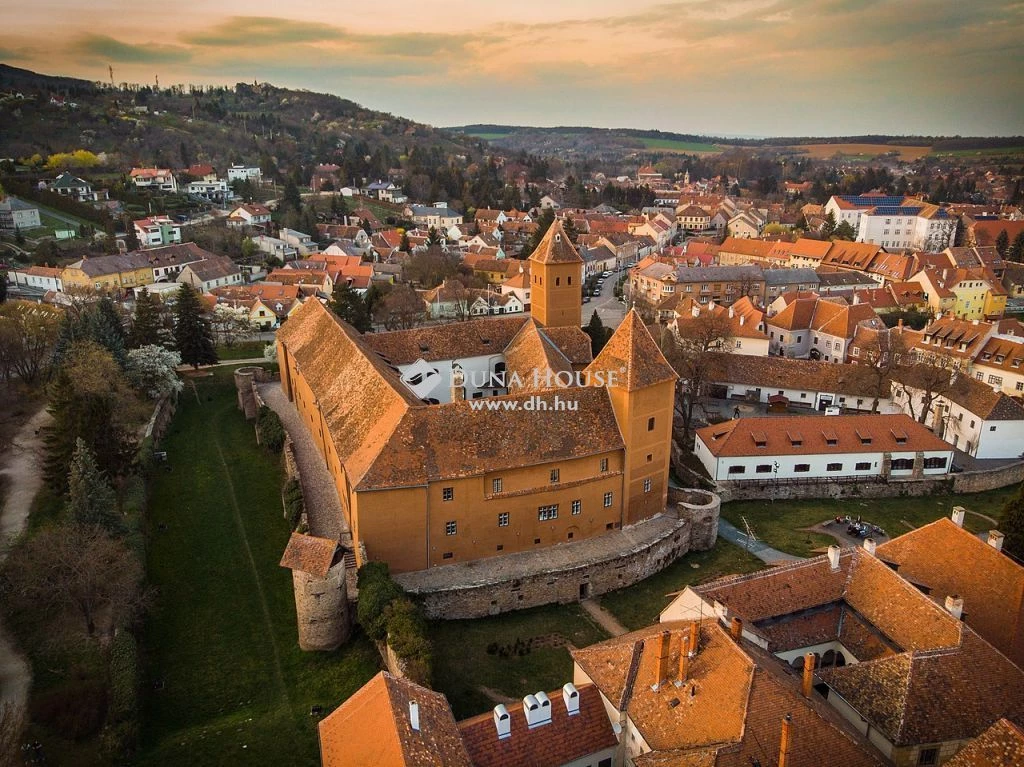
x=102, y=46
x=244, y=31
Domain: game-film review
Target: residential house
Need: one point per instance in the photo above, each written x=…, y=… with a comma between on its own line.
x=913, y=678
x=245, y=173
x=843, y=283
x=16, y=214
x=976, y=293
x=276, y=247
x=818, y=328
x=1000, y=363
x=215, y=191
x=745, y=322
x=385, y=191
x=779, y=281
x=439, y=216
x=249, y=214
x=953, y=342
x=806, y=252
x=820, y=447
x=269, y=305
x=154, y=179
x=37, y=278
x=309, y=274
x=201, y=172
x=851, y=256
x=68, y=185
x=213, y=272
x=168, y=261
x=519, y=285
x=986, y=232
x=117, y=274
x=302, y=242
x=597, y=260
x=693, y=219
x=746, y=223
x=894, y=297
x=155, y=231
x=721, y=284
x=737, y=251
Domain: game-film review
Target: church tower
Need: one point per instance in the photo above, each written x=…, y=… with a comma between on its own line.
x=641, y=384
x=556, y=281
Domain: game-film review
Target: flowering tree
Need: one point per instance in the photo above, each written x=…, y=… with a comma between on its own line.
x=152, y=370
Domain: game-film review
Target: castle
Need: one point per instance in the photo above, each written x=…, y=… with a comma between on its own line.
x=454, y=443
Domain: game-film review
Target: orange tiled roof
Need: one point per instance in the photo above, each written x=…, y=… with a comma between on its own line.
x=1000, y=745
x=532, y=352
x=446, y=342
x=632, y=353
x=556, y=248
x=372, y=728
x=310, y=554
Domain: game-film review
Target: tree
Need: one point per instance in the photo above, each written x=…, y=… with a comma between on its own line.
x=148, y=328
x=28, y=336
x=922, y=383
x=1016, y=250
x=544, y=222
x=191, y=330
x=880, y=358
x=152, y=371
x=598, y=333
x=689, y=350
x=91, y=499
x=75, y=567
x=1011, y=524
x=829, y=227
x=132, y=240
x=291, y=197
x=844, y=232
x=350, y=306
x=1003, y=243
x=433, y=238
x=401, y=309
x=404, y=245
x=230, y=325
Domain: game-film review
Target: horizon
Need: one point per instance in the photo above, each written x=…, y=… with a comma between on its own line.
x=764, y=68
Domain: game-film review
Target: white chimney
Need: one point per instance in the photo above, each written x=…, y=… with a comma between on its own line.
x=995, y=540
x=414, y=715
x=531, y=710
x=571, y=696
x=870, y=546
x=545, y=707
x=732, y=313
x=743, y=318
x=502, y=722
x=958, y=515
x=955, y=605
x=833, y=557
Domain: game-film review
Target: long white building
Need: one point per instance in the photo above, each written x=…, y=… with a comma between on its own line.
x=895, y=223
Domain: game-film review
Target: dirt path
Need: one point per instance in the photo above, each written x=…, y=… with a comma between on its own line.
x=604, y=619
x=22, y=465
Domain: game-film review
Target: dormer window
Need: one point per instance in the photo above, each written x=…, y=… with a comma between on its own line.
x=558, y=238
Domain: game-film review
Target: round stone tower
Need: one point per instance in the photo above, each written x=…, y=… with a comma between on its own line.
x=244, y=379
x=321, y=597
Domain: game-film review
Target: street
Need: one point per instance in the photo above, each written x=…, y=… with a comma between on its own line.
x=608, y=307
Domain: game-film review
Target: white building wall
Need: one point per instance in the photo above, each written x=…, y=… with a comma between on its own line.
x=817, y=465
x=476, y=370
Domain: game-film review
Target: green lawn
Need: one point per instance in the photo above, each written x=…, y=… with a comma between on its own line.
x=639, y=605
x=241, y=351
x=488, y=136
x=674, y=145
x=780, y=524
x=221, y=637
x=462, y=664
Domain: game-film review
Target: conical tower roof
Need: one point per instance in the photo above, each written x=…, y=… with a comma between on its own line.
x=556, y=247
x=631, y=359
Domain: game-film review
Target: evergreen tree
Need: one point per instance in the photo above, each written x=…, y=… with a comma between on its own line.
x=192, y=334
x=291, y=197
x=405, y=246
x=132, y=240
x=598, y=333
x=1003, y=243
x=432, y=237
x=845, y=232
x=1011, y=524
x=106, y=328
x=570, y=230
x=91, y=499
x=350, y=306
x=147, y=324
x=829, y=227
x=1016, y=250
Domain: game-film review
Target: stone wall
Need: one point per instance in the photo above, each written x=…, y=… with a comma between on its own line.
x=161, y=418
x=978, y=481
x=692, y=526
x=322, y=609
x=249, y=399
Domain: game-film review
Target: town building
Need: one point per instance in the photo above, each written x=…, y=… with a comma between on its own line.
x=154, y=179
x=814, y=327
x=37, y=278
x=80, y=190
x=155, y=231
x=245, y=173
x=249, y=214
x=116, y=273
x=18, y=215
x=439, y=215
x=213, y=272
x=743, y=322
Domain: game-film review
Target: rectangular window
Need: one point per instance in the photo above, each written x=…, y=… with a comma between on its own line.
x=737, y=469
x=503, y=519
x=607, y=500
x=496, y=485
x=650, y=424
x=928, y=757
x=764, y=468
x=863, y=466
x=554, y=476
x=647, y=485
x=450, y=528
x=995, y=380
x=545, y=513
x=902, y=464
x=604, y=464
x=577, y=506
x=802, y=467
x=935, y=463
x=834, y=467
x=447, y=493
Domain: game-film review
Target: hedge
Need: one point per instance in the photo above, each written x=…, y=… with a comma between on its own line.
x=270, y=429
x=386, y=613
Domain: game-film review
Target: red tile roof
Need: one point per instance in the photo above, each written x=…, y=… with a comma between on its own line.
x=556, y=248
x=632, y=356
x=310, y=554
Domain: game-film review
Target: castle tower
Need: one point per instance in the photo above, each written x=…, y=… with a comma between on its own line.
x=321, y=596
x=641, y=384
x=556, y=281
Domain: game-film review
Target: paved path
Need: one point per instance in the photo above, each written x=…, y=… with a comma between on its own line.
x=323, y=508
x=762, y=551
x=21, y=466
x=604, y=619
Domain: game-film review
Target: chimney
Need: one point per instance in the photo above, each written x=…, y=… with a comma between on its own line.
x=736, y=628
x=662, y=648
x=502, y=722
x=743, y=319
x=958, y=515
x=833, y=557
x=870, y=546
x=414, y=715
x=732, y=313
x=955, y=605
x=808, y=680
x=458, y=389
x=787, y=726
x=531, y=710
x=899, y=323
x=684, y=659
x=545, y=707
x=694, y=644
x=995, y=540
x=571, y=696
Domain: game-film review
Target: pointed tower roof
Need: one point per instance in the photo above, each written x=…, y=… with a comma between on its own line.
x=556, y=247
x=633, y=356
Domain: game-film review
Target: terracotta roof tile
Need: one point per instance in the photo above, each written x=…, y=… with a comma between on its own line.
x=785, y=373
x=310, y=554
x=1000, y=745
x=556, y=248
x=632, y=353
x=479, y=337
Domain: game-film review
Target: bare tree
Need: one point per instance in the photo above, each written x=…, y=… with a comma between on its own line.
x=75, y=567
x=401, y=309
x=922, y=384
x=28, y=334
x=689, y=347
x=881, y=358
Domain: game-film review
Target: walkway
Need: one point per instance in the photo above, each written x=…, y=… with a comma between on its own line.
x=323, y=508
x=762, y=551
x=21, y=467
x=603, y=618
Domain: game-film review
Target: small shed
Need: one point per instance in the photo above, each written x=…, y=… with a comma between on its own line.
x=777, y=403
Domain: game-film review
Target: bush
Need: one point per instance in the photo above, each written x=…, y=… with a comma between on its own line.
x=270, y=430
x=74, y=708
x=374, y=598
x=294, y=503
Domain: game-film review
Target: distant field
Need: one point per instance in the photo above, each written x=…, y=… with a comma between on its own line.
x=488, y=136
x=996, y=152
x=824, y=151
x=673, y=145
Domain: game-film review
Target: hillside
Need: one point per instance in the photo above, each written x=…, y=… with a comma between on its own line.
x=180, y=125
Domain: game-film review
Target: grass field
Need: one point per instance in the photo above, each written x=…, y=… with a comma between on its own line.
x=781, y=525
x=488, y=136
x=220, y=642
x=640, y=604
x=241, y=351
x=1010, y=151
x=866, y=151
x=687, y=147
x=462, y=664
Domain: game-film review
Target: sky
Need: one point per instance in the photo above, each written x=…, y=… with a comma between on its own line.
x=736, y=67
